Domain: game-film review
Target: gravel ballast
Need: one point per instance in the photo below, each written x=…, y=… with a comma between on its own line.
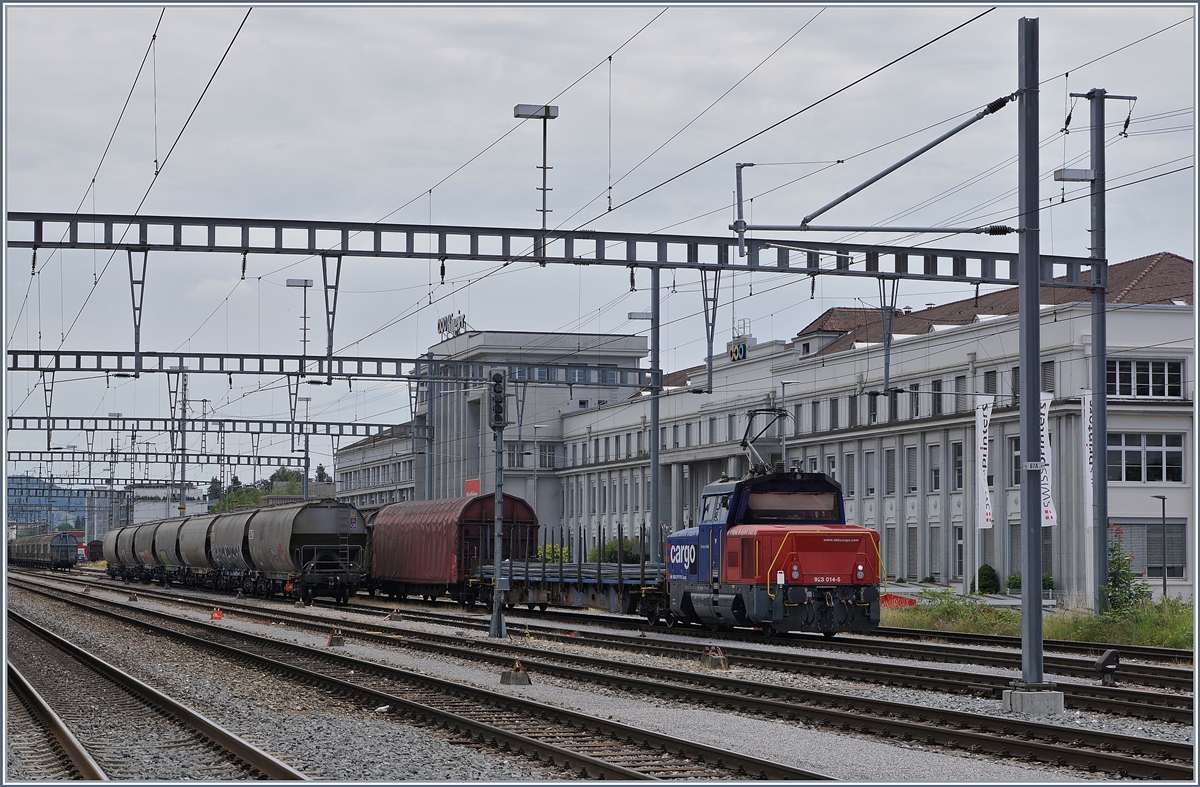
x=791, y=743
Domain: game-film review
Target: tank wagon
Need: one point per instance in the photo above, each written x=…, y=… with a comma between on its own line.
x=53, y=551
x=303, y=550
x=774, y=551
x=431, y=547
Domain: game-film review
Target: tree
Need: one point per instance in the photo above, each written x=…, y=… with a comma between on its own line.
x=1123, y=591
x=215, y=489
x=322, y=476
x=80, y=522
x=989, y=582
x=610, y=552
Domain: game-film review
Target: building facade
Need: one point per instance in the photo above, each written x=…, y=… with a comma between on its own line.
x=906, y=455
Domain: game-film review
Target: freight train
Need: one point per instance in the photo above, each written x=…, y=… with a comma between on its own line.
x=302, y=550
x=54, y=551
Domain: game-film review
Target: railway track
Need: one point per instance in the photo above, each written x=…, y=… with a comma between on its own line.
x=1092, y=649
x=130, y=730
x=41, y=741
x=1123, y=701
x=589, y=746
x=1114, y=754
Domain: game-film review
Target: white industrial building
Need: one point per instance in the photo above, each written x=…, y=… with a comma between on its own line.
x=905, y=457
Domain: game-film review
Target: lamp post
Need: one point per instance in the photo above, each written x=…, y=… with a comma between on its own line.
x=1163, y=498
x=783, y=384
x=536, y=461
x=546, y=113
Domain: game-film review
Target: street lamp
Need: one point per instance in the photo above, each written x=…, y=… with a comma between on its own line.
x=1163, y=498
x=783, y=384
x=303, y=284
x=546, y=113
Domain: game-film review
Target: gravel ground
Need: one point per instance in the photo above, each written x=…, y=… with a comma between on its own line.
x=325, y=737
x=790, y=743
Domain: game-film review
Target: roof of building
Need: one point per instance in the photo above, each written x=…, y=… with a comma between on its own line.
x=1158, y=278
x=841, y=319
x=388, y=434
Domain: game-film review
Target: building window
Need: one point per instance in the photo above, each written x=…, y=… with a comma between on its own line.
x=848, y=474
x=831, y=466
x=636, y=487
x=872, y=407
x=577, y=375
x=1145, y=543
x=607, y=445
x=628, y=445
x=687, y=434
x=516, y=457
x=816, y=415
x=1145, y=378
x=797, y=411
x=1150, y=458
x=639, y=444
x=936, y=387
x=583, y=452
x=869, y=472
x=910, y=468
x=833, y=413
x=1048, y=377
x=712, y=430
x=935, y=467
x=1014, y=461
x=956, y=465
x=812, y=464
x=960, y=393
x=731, y=427
x=546, y=455
x=596, y=449
x=991, y=478
x=663, y=437
x=989, y=382
x=674, y=435
x=617, y=447
x=1016, y=383
x=889, y=471
x=914, y=400
x=583, y=403
x=892, y=405
x=958, y=551
x=852, y=410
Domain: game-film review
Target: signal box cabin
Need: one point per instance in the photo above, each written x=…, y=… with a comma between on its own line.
x=775, y=551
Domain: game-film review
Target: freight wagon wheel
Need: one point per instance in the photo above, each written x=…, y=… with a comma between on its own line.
x=829, y=634
x=768, y=631
x=673, y=620
x=543, y=607
x=531, y=606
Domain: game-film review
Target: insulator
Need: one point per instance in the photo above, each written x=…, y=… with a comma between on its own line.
x=999, y=229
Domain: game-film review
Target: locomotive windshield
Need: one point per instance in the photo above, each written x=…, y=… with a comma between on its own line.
x=794, y=507
x=715, y=510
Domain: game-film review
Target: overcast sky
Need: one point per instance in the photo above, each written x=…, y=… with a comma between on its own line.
x=371, y=112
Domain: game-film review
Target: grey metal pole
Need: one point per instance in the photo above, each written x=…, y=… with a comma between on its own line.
x=1163, y=498
x=545, y=136
x=1099, y=251
x=429, y=398
x=1030, y=343
x=655, y=470
x=496, y=629
x=182, y=443
x=304, y=478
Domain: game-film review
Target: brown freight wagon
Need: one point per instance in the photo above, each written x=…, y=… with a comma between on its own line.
x=431, y=547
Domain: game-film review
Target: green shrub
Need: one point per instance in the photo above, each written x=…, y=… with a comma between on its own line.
x=610, y=553
x=1124, y=590
x=553, y=553
x=989, y=582
x=1013, y=582
x=1047, y=581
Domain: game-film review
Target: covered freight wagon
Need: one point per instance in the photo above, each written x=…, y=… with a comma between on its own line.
x=56, y=550
x=431, y=547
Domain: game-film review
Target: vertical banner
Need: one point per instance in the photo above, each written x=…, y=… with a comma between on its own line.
x=1089, y=467
x=1049, y=515
x=983, y=498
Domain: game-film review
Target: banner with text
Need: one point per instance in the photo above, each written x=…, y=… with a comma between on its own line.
x=1049, y=515
x=1089, y=459
x=983, y=498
